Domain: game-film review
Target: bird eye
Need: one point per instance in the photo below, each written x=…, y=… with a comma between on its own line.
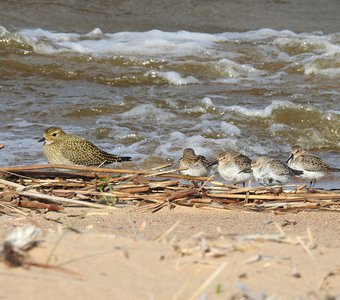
x=55, y=134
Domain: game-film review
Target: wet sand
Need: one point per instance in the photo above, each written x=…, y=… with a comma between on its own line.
x=203, y=16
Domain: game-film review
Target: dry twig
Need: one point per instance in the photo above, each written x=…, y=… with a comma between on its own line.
x=155, y=189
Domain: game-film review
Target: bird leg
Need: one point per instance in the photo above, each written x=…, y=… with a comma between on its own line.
x=312, y=185
x=195, y=183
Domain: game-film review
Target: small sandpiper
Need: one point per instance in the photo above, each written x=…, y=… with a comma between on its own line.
x=192, y=164
x=270, y=171
x=313, y=167
x=234, y=167
x=68, y=149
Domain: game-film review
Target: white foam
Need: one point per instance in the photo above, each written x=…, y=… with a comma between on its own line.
x=309, y=48
x=262, y=112
x=307, y=43
x=234, y=69
x=204, y=125
x=176, y=142
x=148, y=112
x=150, y=43
x=277, y=128
x=3, y=31
x=173, y=77
x=206, y=101
x=230, y=129
x=319, y=55
x=260, y=34
x=313, y=68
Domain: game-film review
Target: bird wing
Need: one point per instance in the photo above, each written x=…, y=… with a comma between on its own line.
x=280, y=167
x=203, y=159
x=313, y=163
x=82, y=152
x=243, y=162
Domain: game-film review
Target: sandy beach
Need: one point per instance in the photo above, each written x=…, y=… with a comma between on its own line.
x=124, y=254
x=186, y=252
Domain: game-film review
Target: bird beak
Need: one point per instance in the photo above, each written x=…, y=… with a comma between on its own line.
x=42, y=140
x=290, y=157
x=213, y=163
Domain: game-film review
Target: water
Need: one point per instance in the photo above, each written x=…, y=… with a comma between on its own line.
x=152, y=93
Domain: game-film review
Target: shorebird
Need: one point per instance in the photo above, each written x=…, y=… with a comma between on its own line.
x=192, y=164
x=270, y=171
x=230, y=165
x=313, y=167
x=68, y=149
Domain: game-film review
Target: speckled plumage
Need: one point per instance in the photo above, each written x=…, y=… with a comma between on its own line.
x=68, y=149
x=234, y=167
x=313, y=167
x=270, y=171
x=192, y=164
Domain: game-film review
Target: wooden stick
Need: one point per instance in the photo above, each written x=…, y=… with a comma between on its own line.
x=39, y=205
x=56, y=199
x=182, y=194
x=53, y=199
x=40, y=167
x=9, y=206
x=285, y=197
x=161, y=173
x=101, y=170
x=51, y=174
x=160, y=167
x=254, y=197
x=12, y=184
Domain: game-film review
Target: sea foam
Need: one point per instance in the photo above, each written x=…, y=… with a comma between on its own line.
x=262, y=112
x=318, y=54
x=153, y=42
x=173, y=77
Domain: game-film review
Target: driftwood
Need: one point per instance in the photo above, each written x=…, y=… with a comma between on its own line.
x=39, y=205
x=55, y=186
x=94, y=170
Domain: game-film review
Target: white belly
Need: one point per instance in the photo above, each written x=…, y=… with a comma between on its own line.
x=195, y=171
x=265, y=177
x=233, y=174
x=312, y=175
x=306, y=174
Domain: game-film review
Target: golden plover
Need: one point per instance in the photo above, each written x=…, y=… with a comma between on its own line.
x=68, y=149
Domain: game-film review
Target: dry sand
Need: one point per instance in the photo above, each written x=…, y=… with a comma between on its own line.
x=119, y=255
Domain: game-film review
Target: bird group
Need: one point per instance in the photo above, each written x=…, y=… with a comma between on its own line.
x=69, y=149
x=236, y=168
